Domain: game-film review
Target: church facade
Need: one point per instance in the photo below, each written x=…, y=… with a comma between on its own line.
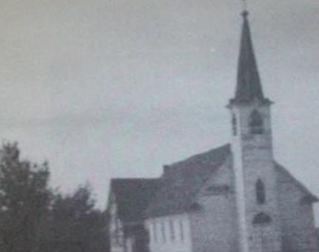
x=234, y=198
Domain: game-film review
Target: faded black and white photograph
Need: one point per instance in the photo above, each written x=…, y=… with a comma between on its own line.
x=159, y=126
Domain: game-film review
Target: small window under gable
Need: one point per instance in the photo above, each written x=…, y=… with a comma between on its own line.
x=262, y=219
x=256, y=123
x=217, y=190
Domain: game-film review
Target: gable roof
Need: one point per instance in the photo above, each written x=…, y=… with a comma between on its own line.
x=132, y=196
x=177, y=190
x=182, y=181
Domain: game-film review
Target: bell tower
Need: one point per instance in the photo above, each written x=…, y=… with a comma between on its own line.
x=255, y=177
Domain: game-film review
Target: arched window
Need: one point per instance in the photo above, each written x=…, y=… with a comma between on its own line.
x=234, y=125
x=256, y=123
x=260, y=192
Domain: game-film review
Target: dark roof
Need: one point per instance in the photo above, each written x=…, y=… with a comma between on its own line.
x=248, y=81
x=182, y=181
x=132, y=196
x=178, y=189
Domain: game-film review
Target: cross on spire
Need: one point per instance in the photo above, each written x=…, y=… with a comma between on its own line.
x=245, y=12
x=244, y=3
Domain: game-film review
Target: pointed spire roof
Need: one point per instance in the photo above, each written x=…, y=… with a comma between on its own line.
x=248, y=81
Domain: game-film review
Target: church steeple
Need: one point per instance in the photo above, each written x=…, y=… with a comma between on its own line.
x=249, y=86
x=253, y=162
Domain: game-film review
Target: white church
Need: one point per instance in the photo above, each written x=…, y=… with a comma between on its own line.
x=234, y=198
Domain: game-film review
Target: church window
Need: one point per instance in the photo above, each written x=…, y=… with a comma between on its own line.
x=261, y=219
x=163, y=231
x=154, y=231
x=181, y=229
x=256, y=123
x=172, y=231
x=234, y=125
x=195, y=206
x=260, y=192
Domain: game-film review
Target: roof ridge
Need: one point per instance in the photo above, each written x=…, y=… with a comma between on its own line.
x=224, y=147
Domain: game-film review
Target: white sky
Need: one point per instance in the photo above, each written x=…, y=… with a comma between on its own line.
x=118, y=88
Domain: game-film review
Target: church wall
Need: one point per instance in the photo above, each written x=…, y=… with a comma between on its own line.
x=169, y=233
x=297, y=218
x=214, y=226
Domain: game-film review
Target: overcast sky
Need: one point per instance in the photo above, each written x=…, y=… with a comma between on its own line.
x=118, y=88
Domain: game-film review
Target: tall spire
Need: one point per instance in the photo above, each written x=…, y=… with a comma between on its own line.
x=248, y=81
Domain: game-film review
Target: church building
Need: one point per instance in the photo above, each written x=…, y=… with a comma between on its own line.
x=234, y=198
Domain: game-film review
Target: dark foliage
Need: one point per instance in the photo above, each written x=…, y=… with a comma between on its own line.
x=24, y=200
x=34, y=219
x=75, y=225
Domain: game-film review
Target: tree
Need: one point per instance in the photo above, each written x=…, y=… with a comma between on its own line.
x=76, y=226
x=24, y=200
x=33, y=218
